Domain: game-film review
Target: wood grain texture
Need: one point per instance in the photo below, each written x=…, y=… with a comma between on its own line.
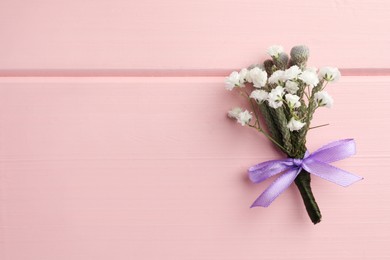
x=151, y=168
x=107, y=36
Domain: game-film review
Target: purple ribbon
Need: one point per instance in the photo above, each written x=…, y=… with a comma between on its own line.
x=316, y=163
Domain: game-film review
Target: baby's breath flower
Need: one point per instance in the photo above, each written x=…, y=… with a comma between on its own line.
x=330, y=74
x=234, y=80
x=275, y=97
x=291, y=87
x=243, y=75
x=259, y=95
x=292, y=72
x=233, y=113
x=276, y=77
x=275, y=50
x=323, y=99
x=295, y=125
x=258, y=77
x=309, y=77
x=244, y=118
x=292, y=101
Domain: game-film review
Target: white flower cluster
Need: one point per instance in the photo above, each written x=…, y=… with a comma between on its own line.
x=256, y=76
x=285, y=87
x=235, y=79
x=242, y=117
x=275, y=50
x=293, y=75
x=275, y=97
x=329, y=74
x=295, y=125
x=323, y=99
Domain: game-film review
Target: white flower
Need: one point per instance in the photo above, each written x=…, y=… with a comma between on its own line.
x=322, y=98
x=243, y=118
x=295, y=125
x=292, y=72
x=259, y=95
x=243, y=75
x=329, y=74
x=309, y=77
x=280, y=76
x=292, y=100
x=233, y=113
x=275, y=50
x=234, y=80
x=276, y=77
x=275, y=97
x=258, y=77
x=291, y=87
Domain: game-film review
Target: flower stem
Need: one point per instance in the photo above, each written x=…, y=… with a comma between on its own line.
x=253, y=108
x=273, y=140
x=303, y=183
x=318, y=126
x=268, y=136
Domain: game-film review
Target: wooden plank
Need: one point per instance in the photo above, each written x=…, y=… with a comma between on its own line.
x=151, y=168
x=107, y=36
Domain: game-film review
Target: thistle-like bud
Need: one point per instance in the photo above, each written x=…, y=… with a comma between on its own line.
x=260, y=66
x=281, y=62
x=268, y=66
x=299, y=56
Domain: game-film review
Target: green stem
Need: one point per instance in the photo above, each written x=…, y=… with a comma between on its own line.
x=269, y=137
x=253, y=108
x=259, y=128
x=270, y=123
x=273, y=140
x=303, y=183
x=318, y=126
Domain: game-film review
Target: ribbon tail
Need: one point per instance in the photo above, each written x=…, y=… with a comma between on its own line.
x=331, y=173
x=276, y=188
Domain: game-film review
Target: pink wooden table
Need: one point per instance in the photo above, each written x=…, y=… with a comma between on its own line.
x=114, y=142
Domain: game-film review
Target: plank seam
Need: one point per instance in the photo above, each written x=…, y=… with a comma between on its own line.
x=163, y=73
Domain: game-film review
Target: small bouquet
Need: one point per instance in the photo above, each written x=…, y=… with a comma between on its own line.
x=285, y=94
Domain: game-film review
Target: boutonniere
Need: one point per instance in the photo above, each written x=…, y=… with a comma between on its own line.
x=283, y=95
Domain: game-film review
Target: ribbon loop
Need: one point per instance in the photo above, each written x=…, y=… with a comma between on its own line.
x=316, y=163
x=265, y=170
x=335, y=151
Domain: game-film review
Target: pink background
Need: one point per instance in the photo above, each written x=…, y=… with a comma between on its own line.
x=114, y=142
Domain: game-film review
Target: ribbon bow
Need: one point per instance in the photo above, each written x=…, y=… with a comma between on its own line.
x=316, y=163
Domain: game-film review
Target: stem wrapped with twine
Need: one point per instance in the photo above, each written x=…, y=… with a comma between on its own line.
x=294, y=145
x=303, y=183
x=269, y=120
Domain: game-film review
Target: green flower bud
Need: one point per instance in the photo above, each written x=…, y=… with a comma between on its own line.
x=281, y=62
x=268, y=66
x=299, y=55
x=260, y=66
